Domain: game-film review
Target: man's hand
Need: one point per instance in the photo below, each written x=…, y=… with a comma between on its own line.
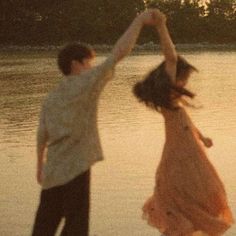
x=151, y=17
x=160, y=18
x=127, y=41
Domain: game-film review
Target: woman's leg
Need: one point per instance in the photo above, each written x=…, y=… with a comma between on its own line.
x=76, y=206
x=49, y=212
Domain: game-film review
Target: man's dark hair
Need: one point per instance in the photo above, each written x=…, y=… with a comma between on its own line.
x=73, y=51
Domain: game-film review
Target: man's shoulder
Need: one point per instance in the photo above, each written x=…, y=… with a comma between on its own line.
x=108, y=64
x=52, y=95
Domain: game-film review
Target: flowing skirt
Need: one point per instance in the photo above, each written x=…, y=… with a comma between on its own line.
x=189, y=198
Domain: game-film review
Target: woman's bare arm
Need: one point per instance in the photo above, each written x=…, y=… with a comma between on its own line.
x=167, y=46
x=206, y=141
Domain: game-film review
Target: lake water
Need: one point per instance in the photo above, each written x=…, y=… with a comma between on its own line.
x=132, y=138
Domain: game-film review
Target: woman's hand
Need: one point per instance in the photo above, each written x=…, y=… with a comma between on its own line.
x=150, y=16
x=207, y=142
x=160, y=18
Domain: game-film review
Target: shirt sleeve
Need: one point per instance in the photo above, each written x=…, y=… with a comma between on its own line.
x=42, y=130
x=97, y=77
x=105, y=69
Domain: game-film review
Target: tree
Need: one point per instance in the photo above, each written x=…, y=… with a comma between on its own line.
x=108, y=19
x=221, y=21
x=183, y=18
x=103, y=21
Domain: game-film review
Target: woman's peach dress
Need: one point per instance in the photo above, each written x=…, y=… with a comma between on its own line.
x=189, y=198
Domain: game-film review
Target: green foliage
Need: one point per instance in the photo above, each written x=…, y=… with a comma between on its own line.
x=221, y=21
x=37, y=22
x=190, y=21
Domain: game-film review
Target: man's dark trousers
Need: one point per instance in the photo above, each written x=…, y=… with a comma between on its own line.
x=70, y=201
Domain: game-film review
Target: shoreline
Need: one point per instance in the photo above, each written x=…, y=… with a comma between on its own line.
x=103, y=48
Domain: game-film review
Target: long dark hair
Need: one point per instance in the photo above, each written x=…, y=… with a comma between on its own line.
x=157, y=88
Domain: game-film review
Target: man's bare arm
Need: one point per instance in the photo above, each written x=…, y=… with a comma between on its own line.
x=40, y=159
x=42, y=138
x=127, y=41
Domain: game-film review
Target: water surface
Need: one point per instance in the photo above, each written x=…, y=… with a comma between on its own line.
x=132, y=138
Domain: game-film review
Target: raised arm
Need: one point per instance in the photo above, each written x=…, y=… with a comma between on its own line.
x=102, y=73
x=127, y=41
x=167, y=45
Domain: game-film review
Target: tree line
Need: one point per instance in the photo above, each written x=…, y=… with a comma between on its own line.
x=54, y=22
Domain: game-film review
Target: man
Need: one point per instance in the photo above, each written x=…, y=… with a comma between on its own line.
x=68, y=130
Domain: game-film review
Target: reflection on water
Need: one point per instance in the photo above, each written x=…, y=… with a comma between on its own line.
x=132, y=137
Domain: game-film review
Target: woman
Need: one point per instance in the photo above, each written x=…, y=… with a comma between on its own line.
x=189, y=197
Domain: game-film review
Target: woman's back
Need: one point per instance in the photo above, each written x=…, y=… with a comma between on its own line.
x=179, y=129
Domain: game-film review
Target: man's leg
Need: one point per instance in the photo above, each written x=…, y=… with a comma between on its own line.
x=76, y=206
x=49, y=212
